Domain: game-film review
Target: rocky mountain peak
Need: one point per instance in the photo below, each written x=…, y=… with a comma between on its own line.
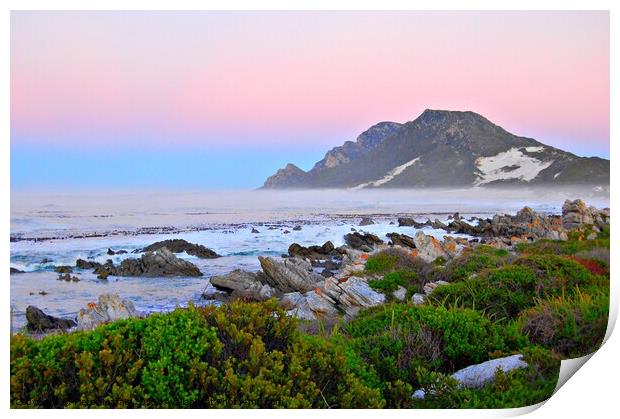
x=442, y=148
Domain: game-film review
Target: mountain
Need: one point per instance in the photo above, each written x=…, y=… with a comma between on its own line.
x=442, y=148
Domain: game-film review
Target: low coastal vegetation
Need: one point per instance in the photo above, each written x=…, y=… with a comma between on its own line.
x=547, y=300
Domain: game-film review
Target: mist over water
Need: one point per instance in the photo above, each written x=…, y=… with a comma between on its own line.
x=74, y=212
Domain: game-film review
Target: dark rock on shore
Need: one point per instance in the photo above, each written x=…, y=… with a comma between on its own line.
x=366, y=221
x=63, y=269
x=119, y=252
x=180, y=245
x=313, y=252
x=86, y=264
x=38, y=321
x=409, y=222
x=401, y=240
x=362, y=241
x=16, y=271
x=68, y=278
x=162, y=262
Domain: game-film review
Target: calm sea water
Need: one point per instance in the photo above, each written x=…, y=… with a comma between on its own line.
x=50, y=229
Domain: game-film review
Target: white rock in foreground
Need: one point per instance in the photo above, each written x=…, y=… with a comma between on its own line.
x=109, y=308
x=476, y=376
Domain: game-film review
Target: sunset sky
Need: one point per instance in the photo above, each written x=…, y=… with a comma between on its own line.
x=223, y=99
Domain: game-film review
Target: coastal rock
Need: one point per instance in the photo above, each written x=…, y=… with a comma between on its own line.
x=63, y=269
x=235, y=280
x=357, y=294
x=409, y=222
x=400, y=294
x=38, y=321
x=290, y=300
x=255, y=231
x=401, y=240
x=180, y=245
x=452, y=246
x=525, y=225
x=111, y=252
x=110, y=307
x=16, y=271
x=297, y=228
x=321, y=305
x=362, y=241
x=86, y=264
x=577, y=214
x=313, y=252
x=68, y=278
x=366, y=221
x=311, y=305
x=291, y=274
x=428, y=247
x=159, y=263
x=418, y=298
x=477, y=376
x=243, y=285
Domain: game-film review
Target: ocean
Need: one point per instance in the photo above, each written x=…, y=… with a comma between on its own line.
x=50, y=229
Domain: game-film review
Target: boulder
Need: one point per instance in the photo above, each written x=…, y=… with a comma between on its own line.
x=110, y=307
x=400, y=294
x=16, y=271
x=38, y=321
x=401, y=240
x=357, y=294
x=477, y=376
x=362, y=241
x=243, y=285
x=159, y=263
x=418, y=298
x=320, y=304
x=428, y=247
x=86, y=264
x=452, y=247
x=68, y=278
x=118, y=252
x=366, y=221
x=313, y=252
x=63, y=269
x=180, y=245
x=409, y=222
x=291, y=274
x=311, y=305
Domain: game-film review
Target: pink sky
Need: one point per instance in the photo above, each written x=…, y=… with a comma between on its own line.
x=231, y=79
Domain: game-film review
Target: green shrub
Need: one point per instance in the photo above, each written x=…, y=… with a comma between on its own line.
x=238, y=355
x=398, y=338
x=390, y=283
x=381, y=263
x=475, y=261
x=568, y=247
x=504, y=292
x=572, y=326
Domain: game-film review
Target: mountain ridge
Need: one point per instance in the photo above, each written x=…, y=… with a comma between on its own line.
x=442, y=148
